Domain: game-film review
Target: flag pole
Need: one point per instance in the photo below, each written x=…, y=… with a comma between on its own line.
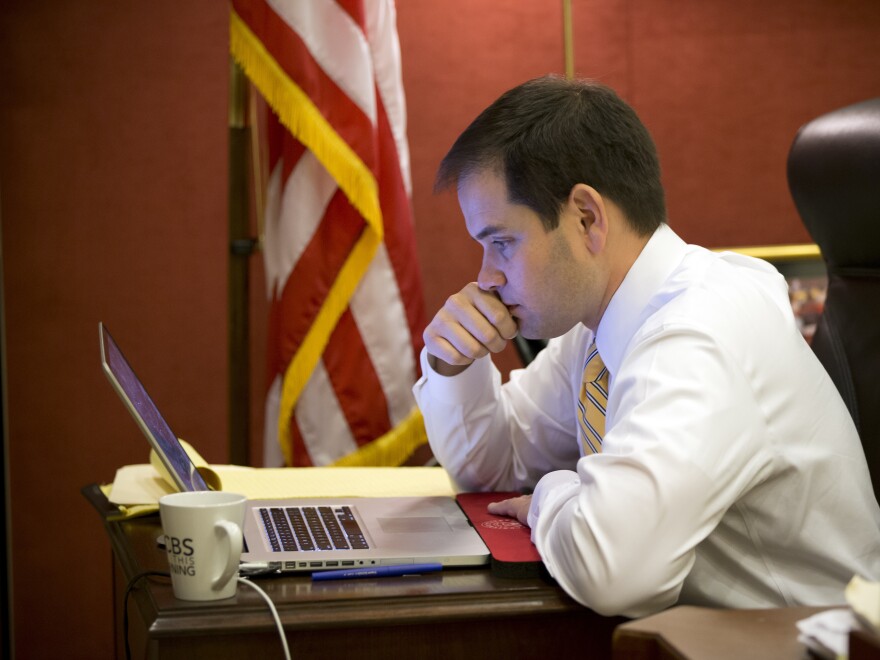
x=241, y=246
x=567, y=39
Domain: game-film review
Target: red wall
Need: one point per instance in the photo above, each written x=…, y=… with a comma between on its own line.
x=113, y=197
x=113, y=206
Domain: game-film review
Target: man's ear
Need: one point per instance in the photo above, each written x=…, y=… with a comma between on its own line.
x=592, y=216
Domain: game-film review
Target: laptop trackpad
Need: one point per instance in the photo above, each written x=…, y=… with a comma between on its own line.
x=414, y=524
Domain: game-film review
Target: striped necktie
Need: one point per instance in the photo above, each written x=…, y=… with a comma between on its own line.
x=592, y=401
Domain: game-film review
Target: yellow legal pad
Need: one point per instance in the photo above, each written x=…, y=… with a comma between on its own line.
x=137, y=488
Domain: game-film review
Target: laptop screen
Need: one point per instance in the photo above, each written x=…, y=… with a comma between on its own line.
x=148, y=417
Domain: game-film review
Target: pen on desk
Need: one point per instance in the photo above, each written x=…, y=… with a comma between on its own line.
x=376, y=571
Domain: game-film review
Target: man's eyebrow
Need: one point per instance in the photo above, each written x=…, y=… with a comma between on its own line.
x=487, y=231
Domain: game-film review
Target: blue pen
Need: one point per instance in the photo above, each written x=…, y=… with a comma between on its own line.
x=376, y=571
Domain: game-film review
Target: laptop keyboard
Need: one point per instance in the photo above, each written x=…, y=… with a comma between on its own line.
x=293, y=528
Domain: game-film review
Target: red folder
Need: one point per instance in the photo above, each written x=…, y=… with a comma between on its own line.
x=509, y=541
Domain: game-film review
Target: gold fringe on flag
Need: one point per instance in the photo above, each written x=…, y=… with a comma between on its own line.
x=393, y=448
x=306, y=123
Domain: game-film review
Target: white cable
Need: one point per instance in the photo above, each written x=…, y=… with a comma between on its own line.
x=275, y=616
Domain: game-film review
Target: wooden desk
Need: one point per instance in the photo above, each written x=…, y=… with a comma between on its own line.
x=701, y=633
x=458, y=613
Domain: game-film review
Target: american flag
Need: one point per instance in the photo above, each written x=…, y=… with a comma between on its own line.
x=340, y=254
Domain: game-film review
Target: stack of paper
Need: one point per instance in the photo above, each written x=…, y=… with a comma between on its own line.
x=136, y=489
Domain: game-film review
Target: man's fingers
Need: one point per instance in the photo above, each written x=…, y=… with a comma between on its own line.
x=516, y=507
x=461, y=352
x=484, y=316
x=473, y=332
x=470, y=324
x=447, y=338
x=502, y=324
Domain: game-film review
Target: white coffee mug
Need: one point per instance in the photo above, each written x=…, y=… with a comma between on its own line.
x=203, y=541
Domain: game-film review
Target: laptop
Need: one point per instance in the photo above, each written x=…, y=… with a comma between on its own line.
x=309, y=534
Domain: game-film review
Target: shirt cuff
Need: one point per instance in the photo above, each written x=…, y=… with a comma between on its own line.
x=553, y=490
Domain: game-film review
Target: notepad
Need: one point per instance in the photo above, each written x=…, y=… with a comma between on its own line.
x=136, y=489
x=141, y=484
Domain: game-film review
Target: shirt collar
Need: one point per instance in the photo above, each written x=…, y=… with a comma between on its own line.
x=626, y=311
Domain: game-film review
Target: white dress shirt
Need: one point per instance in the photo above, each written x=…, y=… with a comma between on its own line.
x=731, y=473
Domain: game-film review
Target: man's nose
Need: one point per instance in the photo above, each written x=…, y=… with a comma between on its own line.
x=490, y=277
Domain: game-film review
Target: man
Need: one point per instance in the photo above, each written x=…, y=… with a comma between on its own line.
x=710, y=459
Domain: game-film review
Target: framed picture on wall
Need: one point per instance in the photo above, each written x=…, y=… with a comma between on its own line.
x=803, y=268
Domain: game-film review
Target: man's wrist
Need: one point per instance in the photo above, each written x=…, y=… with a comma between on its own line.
x=444, y=368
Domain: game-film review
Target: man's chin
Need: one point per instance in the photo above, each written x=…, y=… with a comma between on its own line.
x=526, y=331
x=531, y=333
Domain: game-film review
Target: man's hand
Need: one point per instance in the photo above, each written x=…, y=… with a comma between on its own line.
x=517, y=507
x=469, y=326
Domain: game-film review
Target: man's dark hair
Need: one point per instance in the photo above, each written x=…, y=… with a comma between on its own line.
x=549, y=134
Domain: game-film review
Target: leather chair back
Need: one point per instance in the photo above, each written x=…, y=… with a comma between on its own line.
x=834, y=178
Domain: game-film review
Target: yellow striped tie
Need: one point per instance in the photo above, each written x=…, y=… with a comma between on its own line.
x=592, y=402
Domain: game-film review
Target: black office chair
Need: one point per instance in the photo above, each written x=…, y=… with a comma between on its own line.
x=834, y=178
x=528, y=349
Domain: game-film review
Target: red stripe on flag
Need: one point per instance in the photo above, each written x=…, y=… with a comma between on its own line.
x=355, y=382
x=292, y=150
x=281, y=146
x=355, y=9
x=275, y=133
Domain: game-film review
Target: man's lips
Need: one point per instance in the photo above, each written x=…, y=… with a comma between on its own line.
x=513, y=310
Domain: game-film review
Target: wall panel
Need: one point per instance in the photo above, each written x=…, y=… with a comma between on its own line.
x=113, y=183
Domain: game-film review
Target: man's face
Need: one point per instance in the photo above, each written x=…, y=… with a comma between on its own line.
x=546, y=279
